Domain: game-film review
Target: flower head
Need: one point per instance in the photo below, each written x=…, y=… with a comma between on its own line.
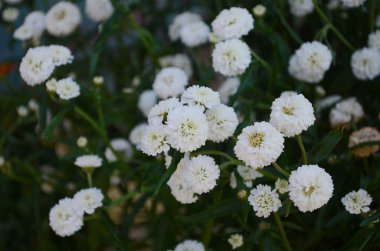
x=195, y=34
x=146, y=101
x=282, y=186
x=248, y=174
x=357, y=202
x=137, y=133
x=346, y=111
x=228, y=88
x=201, y=96
x=89, y=199
x=222, y=121
x=66, y=217
x=190, y=245
x=300, y=8
x=170, y=82
x=154, y=140
x=99, y=10
x=159, y=113
x=61, y=55
x=180, y=21
x=264, y=200
x=88, y=161
x=121, y=146
x=62, y=19
x=179, y=60
x=236, y=241
x=365, y=63
x=67, y=89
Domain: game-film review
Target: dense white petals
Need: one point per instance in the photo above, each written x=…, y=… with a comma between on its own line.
x=357, y=202
x=179, y=60
x=154, y=140
x=228, y=88
x=180, y=21
x=99, y=10
x=170, y=82
x=88, y=161
x=190, y=245
x=89, y=199
x=159, y=113
x=365, y=63
x=201, y=96
x=300, y=8
x=67, y=89
x=146, y=101
x=222, y=121
x=62, y=19
x=195, y=34
x=264, y=200
x=136, y=134
x=346, y=111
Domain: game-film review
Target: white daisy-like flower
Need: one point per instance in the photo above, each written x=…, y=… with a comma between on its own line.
x=154, y=140
x=365, y=63
x=179, y=60
x=121, y=146
x=201, y=96
x=88, y=161
x=89, y=199
x=222, y=121
x=195, y=34
x=170, y=82
x=66, y=217
x=36, y=66
x=136, y=134
x=10, y=14
x=159, y=113
x=201, y=174
x=292, y=114
x=67, y=89
x=248, y=174
x=236, y=241
x=232, y=23
x=179, y=188
x=310, y=187
x=357, y=202
x=352, y=3
x=346, y=111
x=190, y=245
x=259, y=145
x=310, y=62
x=33, y=26
x=23, y=33
x=282, y=186
x=301, y=8
x=180, y=21
x=61, y=55
x=51, y=85
x=231, y=57
x=374, y=40
x=187, y=128
x=146, y=101
x=228, y=88
x=264, y=200
x=62, y=19
x=99, y=10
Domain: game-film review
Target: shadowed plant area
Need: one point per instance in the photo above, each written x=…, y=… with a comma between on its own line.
x=189, y=125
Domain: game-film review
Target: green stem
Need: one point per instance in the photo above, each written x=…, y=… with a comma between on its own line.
x=280, y=169
x=333, y=28
x=266, y=66
x=236, y=162
x=206, y=236
x=302, y=148
x=292, y=33
x=213, y=152
x=282, y=232
x=371, y=16
x=89, y=179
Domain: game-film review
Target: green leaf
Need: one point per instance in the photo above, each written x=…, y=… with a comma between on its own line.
x=322, y=150
x=360, y=239
x=168, y=173
x=47, y=134
x=374, y=217
x=224, y=208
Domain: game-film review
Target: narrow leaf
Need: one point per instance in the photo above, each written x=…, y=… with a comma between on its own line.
x=47, y=134
x=322, y=150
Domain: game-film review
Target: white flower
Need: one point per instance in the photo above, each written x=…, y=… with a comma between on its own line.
x=195, y=34
x=357, y=202
x=201, y=96
x=310, y=62
x=181, y=61
x=248, y=174
x=292, y=114
x=146, y=101
x=33, y=26
x=180, y=21
x=51, y=85
x=33, y=105
x=82, y=141
x=23, y=33
x=310, y=187
x=187, y=128
x=10, y=14
x=346, y=111
x=36, y=66
x=67, y=89
x=61, y=55
x=259, y=10
x=159, y=113
x=374, y=40
x=99, y=10
x=136, y=134
x=201, y=174
x=352, y=3
x=62, y=19
x=98, y=80
x=282, y=186
x=259, y=145
x=231, y=57
x=326, y=102
x=89, y=199
x=121, y=146
x=22, y=111
x=190, y=245
x=264, y=200
x=179, y=188
x=170, y=82
x=88, y=161
x=222, y=121
x=300, y=8
x=66, y=217
x=236, y=240
x=228, y=88
x=232, y=23
x=154, y=140
x=365, y=63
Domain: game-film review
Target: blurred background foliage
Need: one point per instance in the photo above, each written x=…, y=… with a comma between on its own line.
x=40, y=149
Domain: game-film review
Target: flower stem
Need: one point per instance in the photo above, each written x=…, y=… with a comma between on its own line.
x=333, y=28
x=89, y=179
x=280, y=169
x=266, y=66
x=213, y=152
x=282, y=232
x=303, y=152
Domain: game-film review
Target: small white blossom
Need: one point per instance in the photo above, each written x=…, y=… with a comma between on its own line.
x=99, y=10
x=201, y=96
x=190, y=245
x=195, y=34
x=282, y=186
x=374, y=40
x=154, y=140
x=159, y=113
x=264, y=200
x=67, y=89
x=346, y=111
x=62, y=19
x=248, y=174
x=357, y=202
x=136, y=134
x=146, y=101
x=10, y=14
x=352, y=3
x=51, y=85
x=89, y=199
x=365, y=63
x=180, y=21
x=22, y=111
x=121, y=146
x=236, y=241
x=61, y=55
x=179, y=60
x=300, y=8
x=82, y=142
x=222, y=121
x=88, y=161
x=228, y=88
x=170, y=82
